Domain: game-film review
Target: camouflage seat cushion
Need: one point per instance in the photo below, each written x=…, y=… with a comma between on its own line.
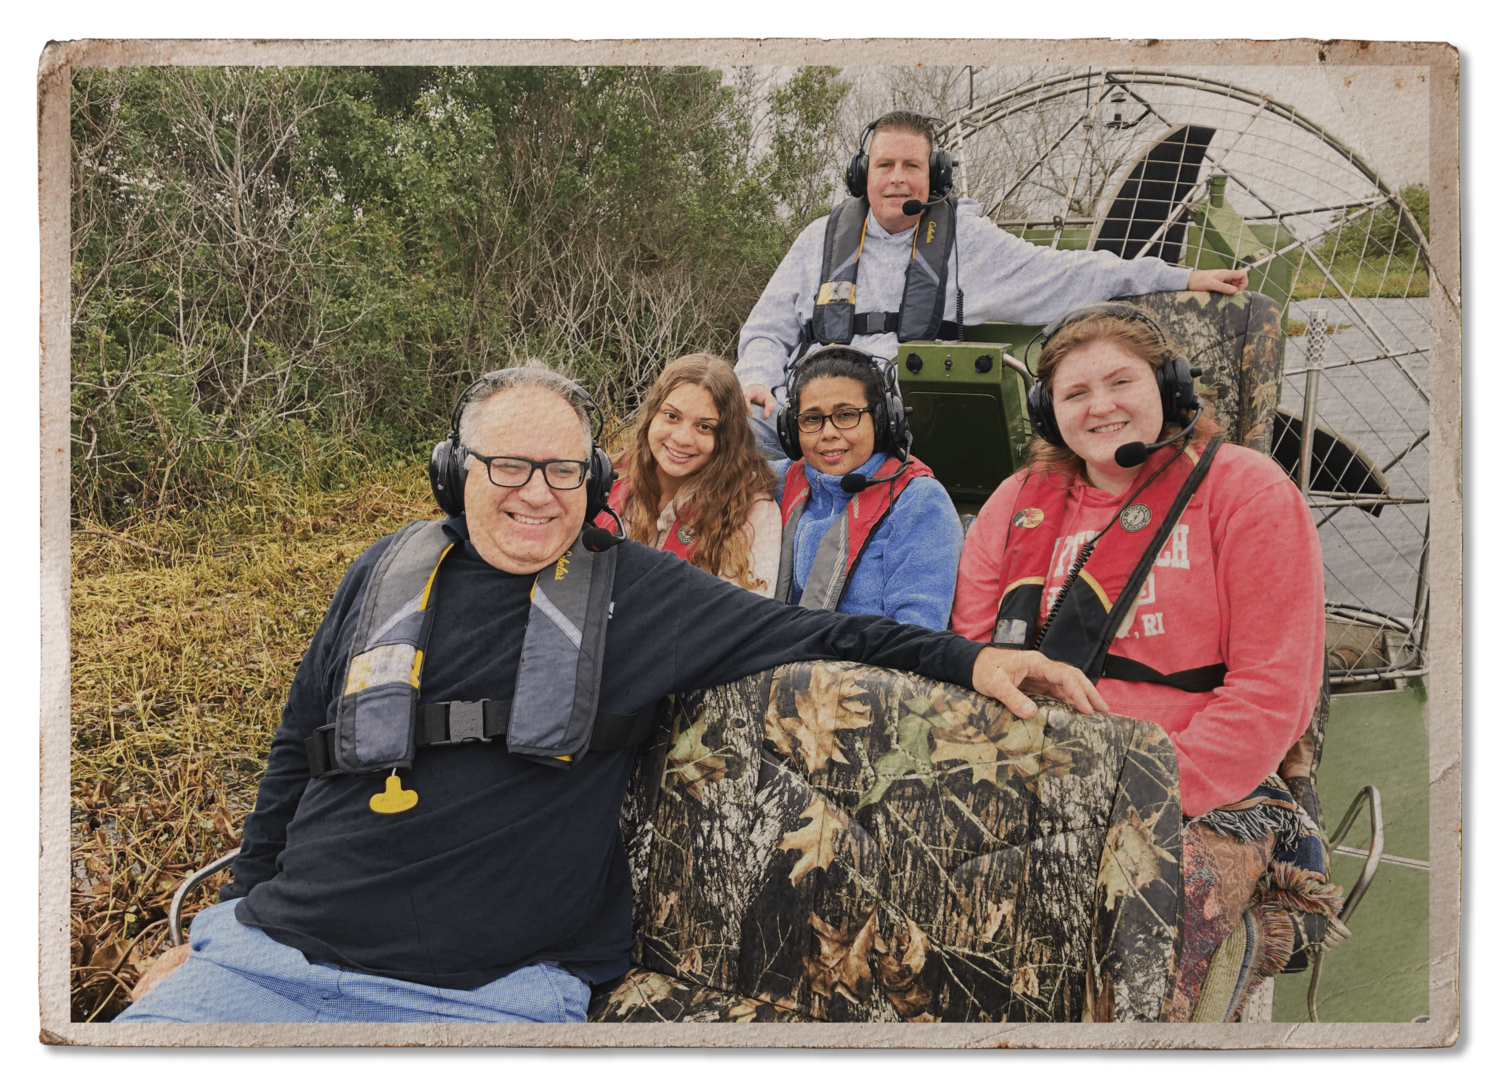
x=839, y=842
x=1236, y=340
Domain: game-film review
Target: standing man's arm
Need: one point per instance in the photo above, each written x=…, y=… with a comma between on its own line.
x=1005, y=278
x=774, y=328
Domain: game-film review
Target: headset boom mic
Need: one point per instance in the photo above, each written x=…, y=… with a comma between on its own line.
x=915, y=207
x=1132, y=453
x=853, y=483
x=599, y=539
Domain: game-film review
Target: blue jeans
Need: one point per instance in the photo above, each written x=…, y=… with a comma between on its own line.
x=765, y=429
x=238, y=974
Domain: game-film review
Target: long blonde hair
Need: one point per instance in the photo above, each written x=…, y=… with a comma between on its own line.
x=1136, y=337
x=724, y=490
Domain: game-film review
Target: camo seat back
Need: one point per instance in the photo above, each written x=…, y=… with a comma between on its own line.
x=839, y=842
x=1236, y=340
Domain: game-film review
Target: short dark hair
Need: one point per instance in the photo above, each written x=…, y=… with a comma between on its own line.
x=902, y=120
x=846, y=362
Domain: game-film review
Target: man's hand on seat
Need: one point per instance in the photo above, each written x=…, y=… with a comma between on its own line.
x=1221, y=280
x=759, y=394
x=1004, y=673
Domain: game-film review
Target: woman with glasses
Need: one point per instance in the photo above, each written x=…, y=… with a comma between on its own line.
x=866, y=529
x=692, y=480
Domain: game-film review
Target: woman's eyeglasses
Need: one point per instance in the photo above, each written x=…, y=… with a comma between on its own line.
x=844, y=419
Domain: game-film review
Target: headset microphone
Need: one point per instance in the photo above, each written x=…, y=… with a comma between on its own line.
x=914, y=206
x=1133, y=453
x=853, y=483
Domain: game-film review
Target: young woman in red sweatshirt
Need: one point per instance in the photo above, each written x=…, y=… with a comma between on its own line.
x=1222, y=644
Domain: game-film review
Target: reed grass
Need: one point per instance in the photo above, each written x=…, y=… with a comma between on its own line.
x=186, y=632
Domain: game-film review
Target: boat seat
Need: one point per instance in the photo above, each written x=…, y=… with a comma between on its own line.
x=836, y=842
x=1236, y=339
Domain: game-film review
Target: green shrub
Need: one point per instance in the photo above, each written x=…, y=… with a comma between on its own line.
x=1380, y=233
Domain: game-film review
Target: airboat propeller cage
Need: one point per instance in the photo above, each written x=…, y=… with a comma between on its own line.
x=1210, y=174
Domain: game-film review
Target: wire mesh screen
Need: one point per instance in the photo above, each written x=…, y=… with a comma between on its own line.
x=1215, y=175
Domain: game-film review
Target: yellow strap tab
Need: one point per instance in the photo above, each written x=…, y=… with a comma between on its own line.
x=394, y=799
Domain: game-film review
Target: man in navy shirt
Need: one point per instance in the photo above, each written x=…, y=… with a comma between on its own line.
x=500, y=893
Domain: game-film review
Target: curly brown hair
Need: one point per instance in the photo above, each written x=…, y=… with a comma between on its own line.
x=1136, y=337
x=723, y=491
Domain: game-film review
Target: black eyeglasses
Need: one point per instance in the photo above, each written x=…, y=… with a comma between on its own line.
x=561, y=475
x=844, y=419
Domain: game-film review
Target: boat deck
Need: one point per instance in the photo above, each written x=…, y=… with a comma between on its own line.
x=1379, y=974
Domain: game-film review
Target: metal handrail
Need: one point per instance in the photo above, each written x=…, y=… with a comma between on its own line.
x=1019, y=367
x=1361, y=885
x=174, y=911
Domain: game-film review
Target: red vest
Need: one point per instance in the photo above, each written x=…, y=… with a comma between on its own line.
x=1081, y=619
x=864, y=514
x=675, y=541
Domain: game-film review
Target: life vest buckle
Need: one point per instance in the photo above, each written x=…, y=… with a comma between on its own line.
x=465, y=723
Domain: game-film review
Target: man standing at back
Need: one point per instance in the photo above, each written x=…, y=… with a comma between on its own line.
x=866, y=276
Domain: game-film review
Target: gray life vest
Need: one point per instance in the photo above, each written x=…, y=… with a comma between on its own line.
x=552, y=713
x=926, y=292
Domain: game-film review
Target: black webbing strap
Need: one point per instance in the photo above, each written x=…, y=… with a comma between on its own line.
x=1193, y=680
x=1124, y=602
x=440, y=723
x=873, y=324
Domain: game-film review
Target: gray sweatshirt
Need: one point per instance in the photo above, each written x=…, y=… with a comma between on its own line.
x=1003, y=277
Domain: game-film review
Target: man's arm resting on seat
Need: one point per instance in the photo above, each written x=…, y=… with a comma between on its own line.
x=718, y=633
x=1004, y=673
x=773, y=329
x=1219, y=280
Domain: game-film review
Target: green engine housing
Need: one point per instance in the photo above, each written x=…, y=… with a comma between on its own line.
x=967, y=408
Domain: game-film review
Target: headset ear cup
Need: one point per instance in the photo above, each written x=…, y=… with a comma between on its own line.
x=856, y=174
x=447, y=475
x=1043, y=419
x=786, y=432
x=1174, y=379
x=939, y=174
x=898, y=433
x=601, y=482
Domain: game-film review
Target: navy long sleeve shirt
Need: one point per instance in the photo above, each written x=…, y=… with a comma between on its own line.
x=504, y=862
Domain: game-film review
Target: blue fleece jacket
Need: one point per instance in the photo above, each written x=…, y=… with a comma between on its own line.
x=909, y=567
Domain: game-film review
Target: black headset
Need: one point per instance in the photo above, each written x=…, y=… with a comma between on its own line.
x=889, y=412
x=939, y=167
x=448, y=469
x=1174, y=377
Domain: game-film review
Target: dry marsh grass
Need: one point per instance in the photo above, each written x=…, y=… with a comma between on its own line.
x=185, y=635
